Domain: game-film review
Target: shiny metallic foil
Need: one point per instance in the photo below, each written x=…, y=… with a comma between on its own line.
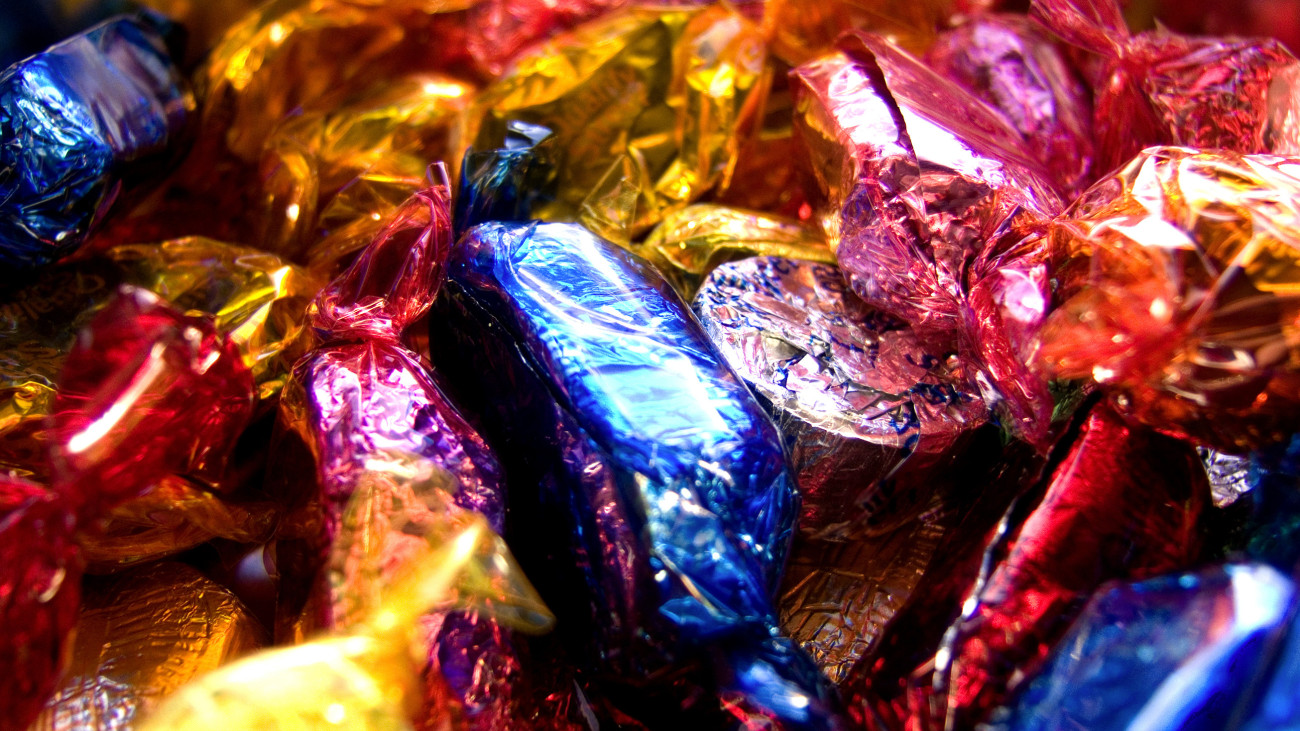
x=690, y=243
x=852, y=390
x=375, y=424
x=176, y=395
x=367, y=679
x=1123, y=503
x=1161, y=88
x=140, y=636
x=1178, y=651
x=256, y=300
x=648, y=106
x=76, y=121
x=1017, y=69
x=802, y=31
x=665, y=511
x=1179, y=292
x=933, y=211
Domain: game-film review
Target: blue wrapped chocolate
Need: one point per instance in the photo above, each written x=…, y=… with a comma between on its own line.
x=504, y=184
x=648, y=489
x=1177, y=652
x=75, y=122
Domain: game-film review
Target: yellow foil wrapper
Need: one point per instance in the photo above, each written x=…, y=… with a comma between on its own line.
x=140, y=636
x=691, y=242
x=649, y=108
x=368, y=679
x=331, y=179
x=1179, y=293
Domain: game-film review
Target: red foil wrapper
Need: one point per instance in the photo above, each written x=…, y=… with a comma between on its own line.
x=1161, y=88
x=1018, y=70
x=934, y=213
x=146, y=392
x=1123, y=503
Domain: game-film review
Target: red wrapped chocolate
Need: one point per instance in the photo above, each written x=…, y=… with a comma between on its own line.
x=1161, y=88
x=145, y=393
x=1123, y=503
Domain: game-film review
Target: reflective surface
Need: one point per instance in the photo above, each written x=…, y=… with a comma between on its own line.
x=1178, y=294
x=75, y=120
x=933, y=212
x=667, y=476
x=1177, y=652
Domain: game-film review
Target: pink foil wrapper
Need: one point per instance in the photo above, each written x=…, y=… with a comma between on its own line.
x=936, y=216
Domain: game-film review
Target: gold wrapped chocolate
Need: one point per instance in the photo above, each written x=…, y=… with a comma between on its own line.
x=369, y=678
x=140, y=636
x=692, y=242
x=649, y=108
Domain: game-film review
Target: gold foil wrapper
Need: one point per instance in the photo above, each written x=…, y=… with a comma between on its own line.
x=649, y=108
x=801, y=31
x=692, y=242
x=141, y=635
x=368, y=679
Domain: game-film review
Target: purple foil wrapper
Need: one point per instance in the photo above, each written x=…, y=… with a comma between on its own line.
x=375, y=426
x=1010, y=64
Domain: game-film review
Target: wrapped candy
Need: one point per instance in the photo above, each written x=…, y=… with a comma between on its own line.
x=692, y=242
x=256, y=300
x=852, y=391
x=147, y=392
x=367, y=679
x=1160, y=88
x=653, y=498
x=800, y=32
x=648, y=107
x=934, y=214
x=373, y=419
x=1013, y=67
x=1124, y=502
x=1176, y=652
x=1275, y=18
x=508, y=181
x=139, y=637
x=78, y=122
x=1176, y=283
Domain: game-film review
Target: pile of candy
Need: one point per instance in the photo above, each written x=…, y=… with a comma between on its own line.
x=584, y=364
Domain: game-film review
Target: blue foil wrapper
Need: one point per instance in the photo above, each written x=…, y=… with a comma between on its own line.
x=504, y=184
x=75, y=122
x=1177, y=652
x=649, y=495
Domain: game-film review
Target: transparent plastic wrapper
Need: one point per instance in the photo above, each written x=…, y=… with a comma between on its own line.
x=1175, y=652
x=255, y=300
x=139, y=637
x=1017, y=69
x=147, y=392
x=368, y=678
x=692, y=242
x=1161, y=88
x=1121, y=503
x=79, y=122
x=934, y=214
x=1177, y=294
x=655, y=507
x=649, y=107
x=852, y=391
